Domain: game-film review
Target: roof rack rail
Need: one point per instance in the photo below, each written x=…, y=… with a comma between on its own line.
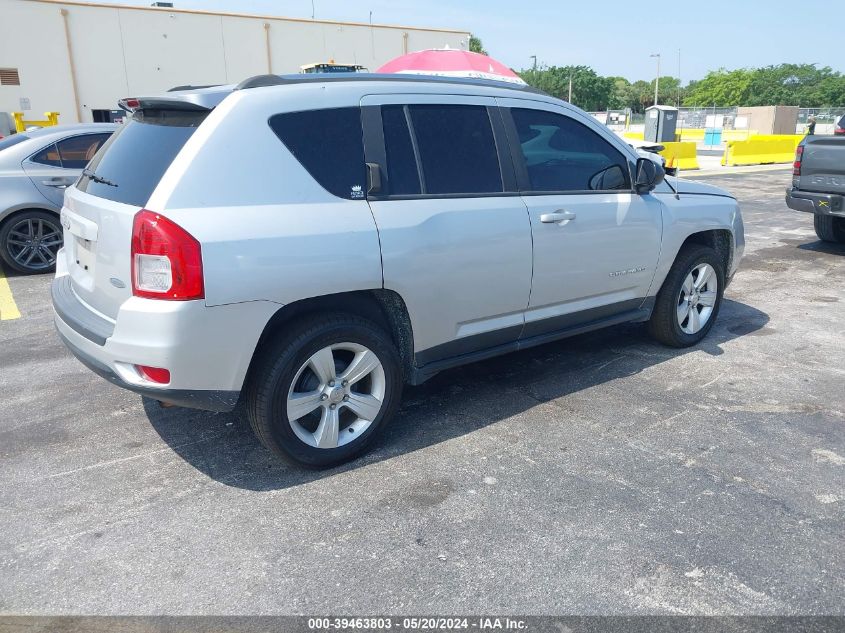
x=189, y=87
x=261, y=81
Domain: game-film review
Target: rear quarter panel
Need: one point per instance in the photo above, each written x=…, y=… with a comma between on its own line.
x=268, y=230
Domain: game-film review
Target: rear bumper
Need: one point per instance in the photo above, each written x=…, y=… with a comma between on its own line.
x=194, y=399
x=819, y=203
x=206, y=349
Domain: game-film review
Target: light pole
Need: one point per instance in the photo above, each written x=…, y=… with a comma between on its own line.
x=657, y=79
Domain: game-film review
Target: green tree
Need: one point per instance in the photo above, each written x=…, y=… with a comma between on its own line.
x=476, y=46
x=589, y=90
x=622, y=96
x=721, y=88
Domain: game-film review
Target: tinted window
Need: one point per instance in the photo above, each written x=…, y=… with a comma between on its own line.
x=75, y=152
x=402, y=174
x=14, y=139
x=564, y=155
x=48, y=156
x=137, y=155
x=456, y=147
x=329, y=145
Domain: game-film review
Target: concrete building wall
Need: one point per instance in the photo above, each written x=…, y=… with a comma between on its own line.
x=770, y=119
x=122, y=51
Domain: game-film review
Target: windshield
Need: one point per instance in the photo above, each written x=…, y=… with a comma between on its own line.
x=130, y=165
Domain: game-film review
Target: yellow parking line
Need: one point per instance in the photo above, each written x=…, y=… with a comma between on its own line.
x=8, y=307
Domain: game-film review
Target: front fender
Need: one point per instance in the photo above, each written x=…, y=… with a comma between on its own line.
x=694, y=214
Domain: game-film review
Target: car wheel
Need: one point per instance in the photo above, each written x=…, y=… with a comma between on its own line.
x=29, y=241
x=689, y=301
x=319, y=395
x=829, y=228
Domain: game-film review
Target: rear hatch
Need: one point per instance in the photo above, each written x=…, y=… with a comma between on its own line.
x=99, y=210
x=823, y=165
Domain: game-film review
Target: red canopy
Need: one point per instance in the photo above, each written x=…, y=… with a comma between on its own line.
x=450, y=62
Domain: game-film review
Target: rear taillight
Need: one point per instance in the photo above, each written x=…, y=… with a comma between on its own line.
x=839, y=130
x=154, y=374
x=166, y=260
x=799, y=155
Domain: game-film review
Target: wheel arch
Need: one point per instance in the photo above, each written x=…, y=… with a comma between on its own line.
x=386, y=308
x=720, y=240
x=16, y=210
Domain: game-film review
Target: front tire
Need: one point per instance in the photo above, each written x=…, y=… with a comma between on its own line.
x=319, y=395
x=689, y=301
x=30, y=240
x=829, y=228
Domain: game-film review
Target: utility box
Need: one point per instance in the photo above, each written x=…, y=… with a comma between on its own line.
x=770, y=119
x=108, y=116
x=660, y=124
x=6, y=125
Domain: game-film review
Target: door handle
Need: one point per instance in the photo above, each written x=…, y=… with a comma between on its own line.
x=61, y=183
x=558, y=217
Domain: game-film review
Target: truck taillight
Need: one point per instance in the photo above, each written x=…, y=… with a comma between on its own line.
x=799, y=155
x=166, y=259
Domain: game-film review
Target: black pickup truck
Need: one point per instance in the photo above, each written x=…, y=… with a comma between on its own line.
x=818, y=185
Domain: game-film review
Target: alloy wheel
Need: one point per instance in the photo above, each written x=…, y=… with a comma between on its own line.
x=34, y=242
x=697, y=298
x=336, y=395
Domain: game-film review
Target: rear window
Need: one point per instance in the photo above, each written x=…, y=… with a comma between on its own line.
x=14, y=139
x=329, y=145
x=136, y=156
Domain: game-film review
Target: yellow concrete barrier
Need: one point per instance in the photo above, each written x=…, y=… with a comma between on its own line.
x=795, y=139
x=680, y=155
x=634, y=136
x=690, y=134
x=759, y=151
x=51, y=118
x=738, y=135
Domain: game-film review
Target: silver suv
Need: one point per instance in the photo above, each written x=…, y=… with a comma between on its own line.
x=307, y=245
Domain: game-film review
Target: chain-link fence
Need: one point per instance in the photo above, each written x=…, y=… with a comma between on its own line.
x=823, y=115
x=698, y=117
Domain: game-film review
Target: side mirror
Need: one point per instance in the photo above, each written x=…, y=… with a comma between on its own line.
x=608, y=179
x=649, y=175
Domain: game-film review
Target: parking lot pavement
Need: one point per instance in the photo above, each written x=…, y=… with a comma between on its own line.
x=601, y=474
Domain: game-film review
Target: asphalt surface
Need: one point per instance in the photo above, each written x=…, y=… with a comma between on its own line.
x=601, y=474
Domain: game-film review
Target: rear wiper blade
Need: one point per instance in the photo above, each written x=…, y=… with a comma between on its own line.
x=92, y=176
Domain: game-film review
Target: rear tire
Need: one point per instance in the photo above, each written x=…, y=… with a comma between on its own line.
x=829, y=228
x=689, y=301
x=299, y=403
x=29, y=241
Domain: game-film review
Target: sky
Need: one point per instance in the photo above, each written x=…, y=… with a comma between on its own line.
x=612, y=36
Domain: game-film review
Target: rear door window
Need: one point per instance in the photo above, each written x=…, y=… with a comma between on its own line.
x=48, y=156
x=456, y=148
x=77, y=151
x=329, y=145
x=402, y=174
x=135, y=158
